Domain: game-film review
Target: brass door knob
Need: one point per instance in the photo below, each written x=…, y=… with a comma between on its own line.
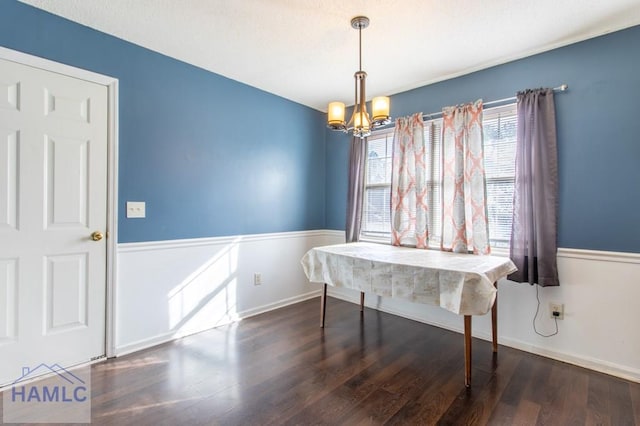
x=97, y=236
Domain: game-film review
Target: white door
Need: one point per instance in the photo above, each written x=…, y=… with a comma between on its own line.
x=53, y=192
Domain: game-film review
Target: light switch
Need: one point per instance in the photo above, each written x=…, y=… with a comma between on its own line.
x=136, y=209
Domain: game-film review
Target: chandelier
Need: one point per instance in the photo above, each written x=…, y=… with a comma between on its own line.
x=361, y=124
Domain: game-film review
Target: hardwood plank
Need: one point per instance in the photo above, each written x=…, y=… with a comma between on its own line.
x=419, y=380
x=464, y=405
x=634, y=389
x=370, y=368
x=327, y=372
x=598, y=401
x=483, y=400
x=374, y=409
x=526, y=413
x=428, y=402
x=518, y=383
x=340, y=399
x=620, y=406
x=575, y=412
x=537, y=390
x=502, y=415
x=556, y=390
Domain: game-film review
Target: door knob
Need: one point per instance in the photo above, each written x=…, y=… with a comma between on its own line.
x=97, y=236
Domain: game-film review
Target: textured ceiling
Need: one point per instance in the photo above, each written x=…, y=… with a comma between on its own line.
x=306, y=50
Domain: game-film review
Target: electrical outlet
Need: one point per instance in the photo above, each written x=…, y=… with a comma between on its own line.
x=136, y=209
x=257, y=278
x=556, y=310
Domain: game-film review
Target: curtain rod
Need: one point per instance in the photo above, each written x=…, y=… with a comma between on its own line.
x=561, y=88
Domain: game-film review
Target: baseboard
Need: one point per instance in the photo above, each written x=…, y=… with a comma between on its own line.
x=277, y=305
x=580, y=361
x=599, y=365
x=145, y=344
x=168, y=337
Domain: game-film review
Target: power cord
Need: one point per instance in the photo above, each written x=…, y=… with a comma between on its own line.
x=536, y=316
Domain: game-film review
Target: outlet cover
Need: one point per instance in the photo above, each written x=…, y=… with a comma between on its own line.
x=556, y=307
x=136, y=209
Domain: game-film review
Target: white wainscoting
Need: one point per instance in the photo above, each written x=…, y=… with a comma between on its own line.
x=601, y=296
x=170, y=289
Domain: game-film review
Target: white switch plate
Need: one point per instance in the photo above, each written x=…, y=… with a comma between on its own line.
x=136, y=209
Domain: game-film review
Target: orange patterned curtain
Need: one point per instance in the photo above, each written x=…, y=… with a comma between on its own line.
x=465, y=226
x=409, y=208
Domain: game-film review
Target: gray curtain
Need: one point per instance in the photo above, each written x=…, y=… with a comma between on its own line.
x=357, y=156
x=533, y=233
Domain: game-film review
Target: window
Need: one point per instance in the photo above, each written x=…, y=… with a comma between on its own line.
x=499, y=127
x=376, y=214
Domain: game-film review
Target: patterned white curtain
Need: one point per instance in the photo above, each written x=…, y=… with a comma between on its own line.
x=464, y=208
x=409, y=208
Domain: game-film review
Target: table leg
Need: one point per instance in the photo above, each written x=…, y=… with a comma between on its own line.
x=494, y=321
x=467, y=350
x=362, y=301
x=323, y=305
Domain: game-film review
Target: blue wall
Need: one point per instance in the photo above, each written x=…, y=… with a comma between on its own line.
x=204, y=172
x=598, y=123
x=186, y=147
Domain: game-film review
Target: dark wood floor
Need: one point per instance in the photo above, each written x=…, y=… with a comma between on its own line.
x=281, y=368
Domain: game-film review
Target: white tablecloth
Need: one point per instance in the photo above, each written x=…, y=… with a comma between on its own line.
x=460, y=283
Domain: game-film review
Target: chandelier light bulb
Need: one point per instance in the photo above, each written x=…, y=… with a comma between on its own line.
x=335, y=119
